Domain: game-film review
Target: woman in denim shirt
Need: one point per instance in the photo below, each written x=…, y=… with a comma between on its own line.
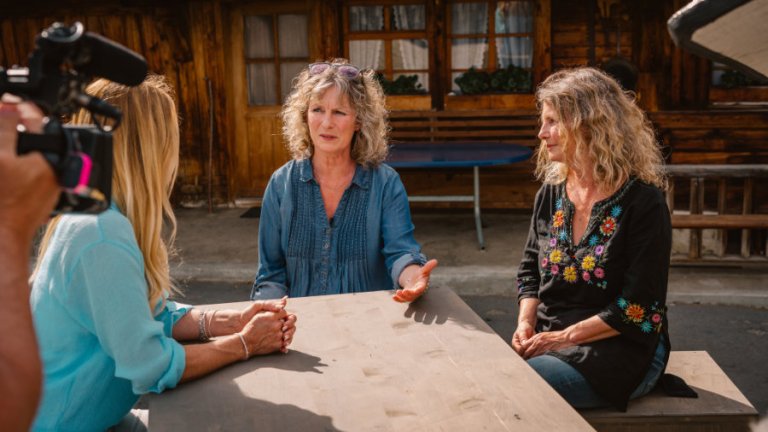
x=335, y=219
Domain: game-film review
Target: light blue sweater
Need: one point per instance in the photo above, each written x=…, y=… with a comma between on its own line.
x=100, y=343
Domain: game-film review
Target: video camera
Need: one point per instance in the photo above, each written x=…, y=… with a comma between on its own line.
x=64, y=60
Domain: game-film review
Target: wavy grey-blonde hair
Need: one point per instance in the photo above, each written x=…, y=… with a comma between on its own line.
x=146, y=157
x=365, y=96
x=599, y=123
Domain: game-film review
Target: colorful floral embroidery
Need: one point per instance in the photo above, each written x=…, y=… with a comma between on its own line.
x=635, y=312
x=525, y=281
x=608, y=225
x=555, y=256
x=559, y=257
x=558, y=219
x=588, y=263
x=570, y=274
x=647, y=321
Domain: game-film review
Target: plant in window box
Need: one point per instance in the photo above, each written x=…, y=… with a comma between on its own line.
x=405, y=93
x=736, y=87
x=508, y=88
x=734, y=79
x=473, y=81
x=511, y=79
x=402, y=85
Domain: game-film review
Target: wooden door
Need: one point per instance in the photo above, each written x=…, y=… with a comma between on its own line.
x=269, y=45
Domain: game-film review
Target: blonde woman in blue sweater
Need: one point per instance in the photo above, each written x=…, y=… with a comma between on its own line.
x=106, y=329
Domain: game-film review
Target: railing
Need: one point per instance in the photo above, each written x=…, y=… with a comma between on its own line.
x=717, y=213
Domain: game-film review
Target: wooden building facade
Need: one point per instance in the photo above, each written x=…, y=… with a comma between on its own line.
x=231, y=63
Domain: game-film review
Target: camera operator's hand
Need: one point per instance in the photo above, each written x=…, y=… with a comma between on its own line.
x=28, y=193
x=28, y=187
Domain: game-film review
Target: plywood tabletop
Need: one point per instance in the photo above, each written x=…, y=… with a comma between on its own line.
x=363, y=362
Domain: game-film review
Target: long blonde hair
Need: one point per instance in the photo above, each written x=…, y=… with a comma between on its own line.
x=605, y=127
x=365, y=96
x=146, y=158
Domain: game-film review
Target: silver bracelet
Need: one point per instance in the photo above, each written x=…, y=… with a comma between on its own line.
x=209, y=326
x=202, y=334
x=245, y=346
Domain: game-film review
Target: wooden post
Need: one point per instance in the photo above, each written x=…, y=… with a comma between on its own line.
x=721, y=201
x=671, y=195
x=696, y=204
x=746, y=209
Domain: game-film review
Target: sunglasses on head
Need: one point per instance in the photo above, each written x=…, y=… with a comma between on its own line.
x=346, y=70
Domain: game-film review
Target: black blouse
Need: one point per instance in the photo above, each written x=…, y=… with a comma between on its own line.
x=617, y=271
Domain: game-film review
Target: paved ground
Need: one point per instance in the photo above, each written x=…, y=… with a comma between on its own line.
x=721, y=310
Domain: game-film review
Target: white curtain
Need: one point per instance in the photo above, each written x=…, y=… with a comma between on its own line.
x=259, y=45
x=258, y=37
x=411, y=54
x=293, y=35
x=366, y=53
x=469, y=18
x=514, y=17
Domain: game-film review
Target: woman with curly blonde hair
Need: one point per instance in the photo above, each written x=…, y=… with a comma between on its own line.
x=592, y=284
x=106, y=330
x=335, y=219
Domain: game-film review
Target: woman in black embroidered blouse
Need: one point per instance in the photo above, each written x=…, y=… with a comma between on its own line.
x=592, y=284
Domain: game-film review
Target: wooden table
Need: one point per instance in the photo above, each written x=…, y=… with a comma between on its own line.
x=363, y=362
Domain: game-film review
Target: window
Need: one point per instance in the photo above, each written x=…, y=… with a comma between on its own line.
x=390, y=39
x=276, y=49
x=489, y=35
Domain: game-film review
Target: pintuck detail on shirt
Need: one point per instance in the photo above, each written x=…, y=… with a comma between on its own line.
x=363, y=247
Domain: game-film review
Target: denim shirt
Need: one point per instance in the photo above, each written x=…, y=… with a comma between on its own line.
x=364, y=247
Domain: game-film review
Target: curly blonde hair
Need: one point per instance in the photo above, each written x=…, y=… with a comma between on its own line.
x=146, y=158
x=605, y=127
x=365, y=96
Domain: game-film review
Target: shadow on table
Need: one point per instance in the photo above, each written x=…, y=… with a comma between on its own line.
x=438, y=309
x=296, y=361
x=233, y=410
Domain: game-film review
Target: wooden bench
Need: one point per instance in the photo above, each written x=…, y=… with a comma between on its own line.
x=745, y=181
x=514, y=126
x=476, y=126
x=720, y=407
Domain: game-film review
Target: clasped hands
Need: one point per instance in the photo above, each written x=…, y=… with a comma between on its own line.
x=527, y=343
x=266, y=326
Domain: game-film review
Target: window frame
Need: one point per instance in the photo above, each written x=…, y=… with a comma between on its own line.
x=388, y=35
x=276, y=59
x=439, y=69
x=491, y=36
